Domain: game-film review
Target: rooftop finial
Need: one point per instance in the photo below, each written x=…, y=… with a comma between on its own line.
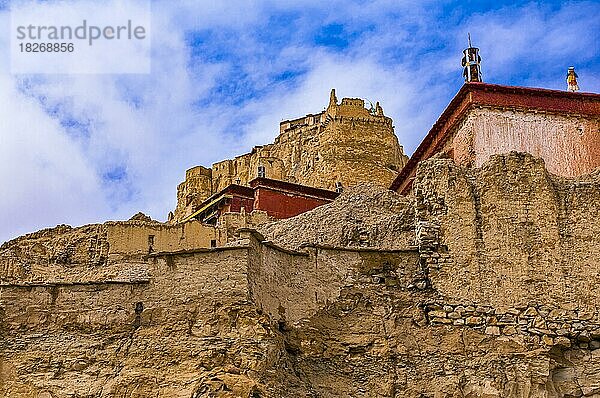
x=471, y=63
x=572, y=80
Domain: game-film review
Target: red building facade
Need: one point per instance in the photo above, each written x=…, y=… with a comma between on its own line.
x=485, y=119
x=279, y=199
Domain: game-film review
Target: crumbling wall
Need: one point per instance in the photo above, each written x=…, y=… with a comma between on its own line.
x=230, y=223
x=515, y=238
x=292, y=286
x=98, y=251
x=48, y=253
x=198, y=184
x=494, y=297
x=163, y=286
x=226, y=172
x=186, y=328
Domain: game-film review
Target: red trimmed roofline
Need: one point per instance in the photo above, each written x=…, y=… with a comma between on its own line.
x=294, y=188
x=472, y=94
x=241, y=190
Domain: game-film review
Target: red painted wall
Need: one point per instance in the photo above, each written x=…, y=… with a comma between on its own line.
x=237, y=202
x=281, y=204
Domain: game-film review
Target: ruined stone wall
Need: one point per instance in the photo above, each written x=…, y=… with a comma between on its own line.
x=230, y=223
x=515, y=238
x=347, y=143
x=97, y=252
x=292, y=286
x=567, y=143
x=137, y=338
x=497, y=299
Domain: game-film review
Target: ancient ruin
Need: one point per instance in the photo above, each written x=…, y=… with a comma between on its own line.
x=482, y=281
x=345, y=144
x=334, y=310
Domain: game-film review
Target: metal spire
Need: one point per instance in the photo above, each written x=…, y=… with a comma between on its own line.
x=471, y=63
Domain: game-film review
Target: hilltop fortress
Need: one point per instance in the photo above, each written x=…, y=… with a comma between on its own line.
x=346, y=144
x=483, y=281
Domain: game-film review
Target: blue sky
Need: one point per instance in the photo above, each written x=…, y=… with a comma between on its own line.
x=86, y=148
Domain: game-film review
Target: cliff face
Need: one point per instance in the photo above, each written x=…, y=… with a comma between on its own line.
x=346, y=143
x=494, y=294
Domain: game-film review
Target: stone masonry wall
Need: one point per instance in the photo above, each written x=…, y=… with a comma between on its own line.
x=513, y=247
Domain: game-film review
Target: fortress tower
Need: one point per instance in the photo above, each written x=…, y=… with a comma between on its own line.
x=342, y=146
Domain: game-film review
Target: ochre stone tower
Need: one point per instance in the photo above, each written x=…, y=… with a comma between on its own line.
x=346, y=143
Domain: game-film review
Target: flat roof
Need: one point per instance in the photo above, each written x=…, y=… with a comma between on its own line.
x=260, y=182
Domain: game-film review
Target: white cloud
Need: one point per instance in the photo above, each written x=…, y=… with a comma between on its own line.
x=399, y=95
x=536, y=42
x=46, y=178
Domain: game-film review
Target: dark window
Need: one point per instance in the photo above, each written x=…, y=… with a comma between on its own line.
x=150, y=243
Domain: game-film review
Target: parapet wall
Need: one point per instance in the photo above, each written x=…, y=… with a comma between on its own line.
x=292, y=286
x=288, y=285
x=161, y=286
x=97, y=252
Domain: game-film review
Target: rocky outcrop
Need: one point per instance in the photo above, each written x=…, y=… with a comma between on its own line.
x=139, y=216
x=54, y=252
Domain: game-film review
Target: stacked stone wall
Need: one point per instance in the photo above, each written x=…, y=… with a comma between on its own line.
x=514, y=246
